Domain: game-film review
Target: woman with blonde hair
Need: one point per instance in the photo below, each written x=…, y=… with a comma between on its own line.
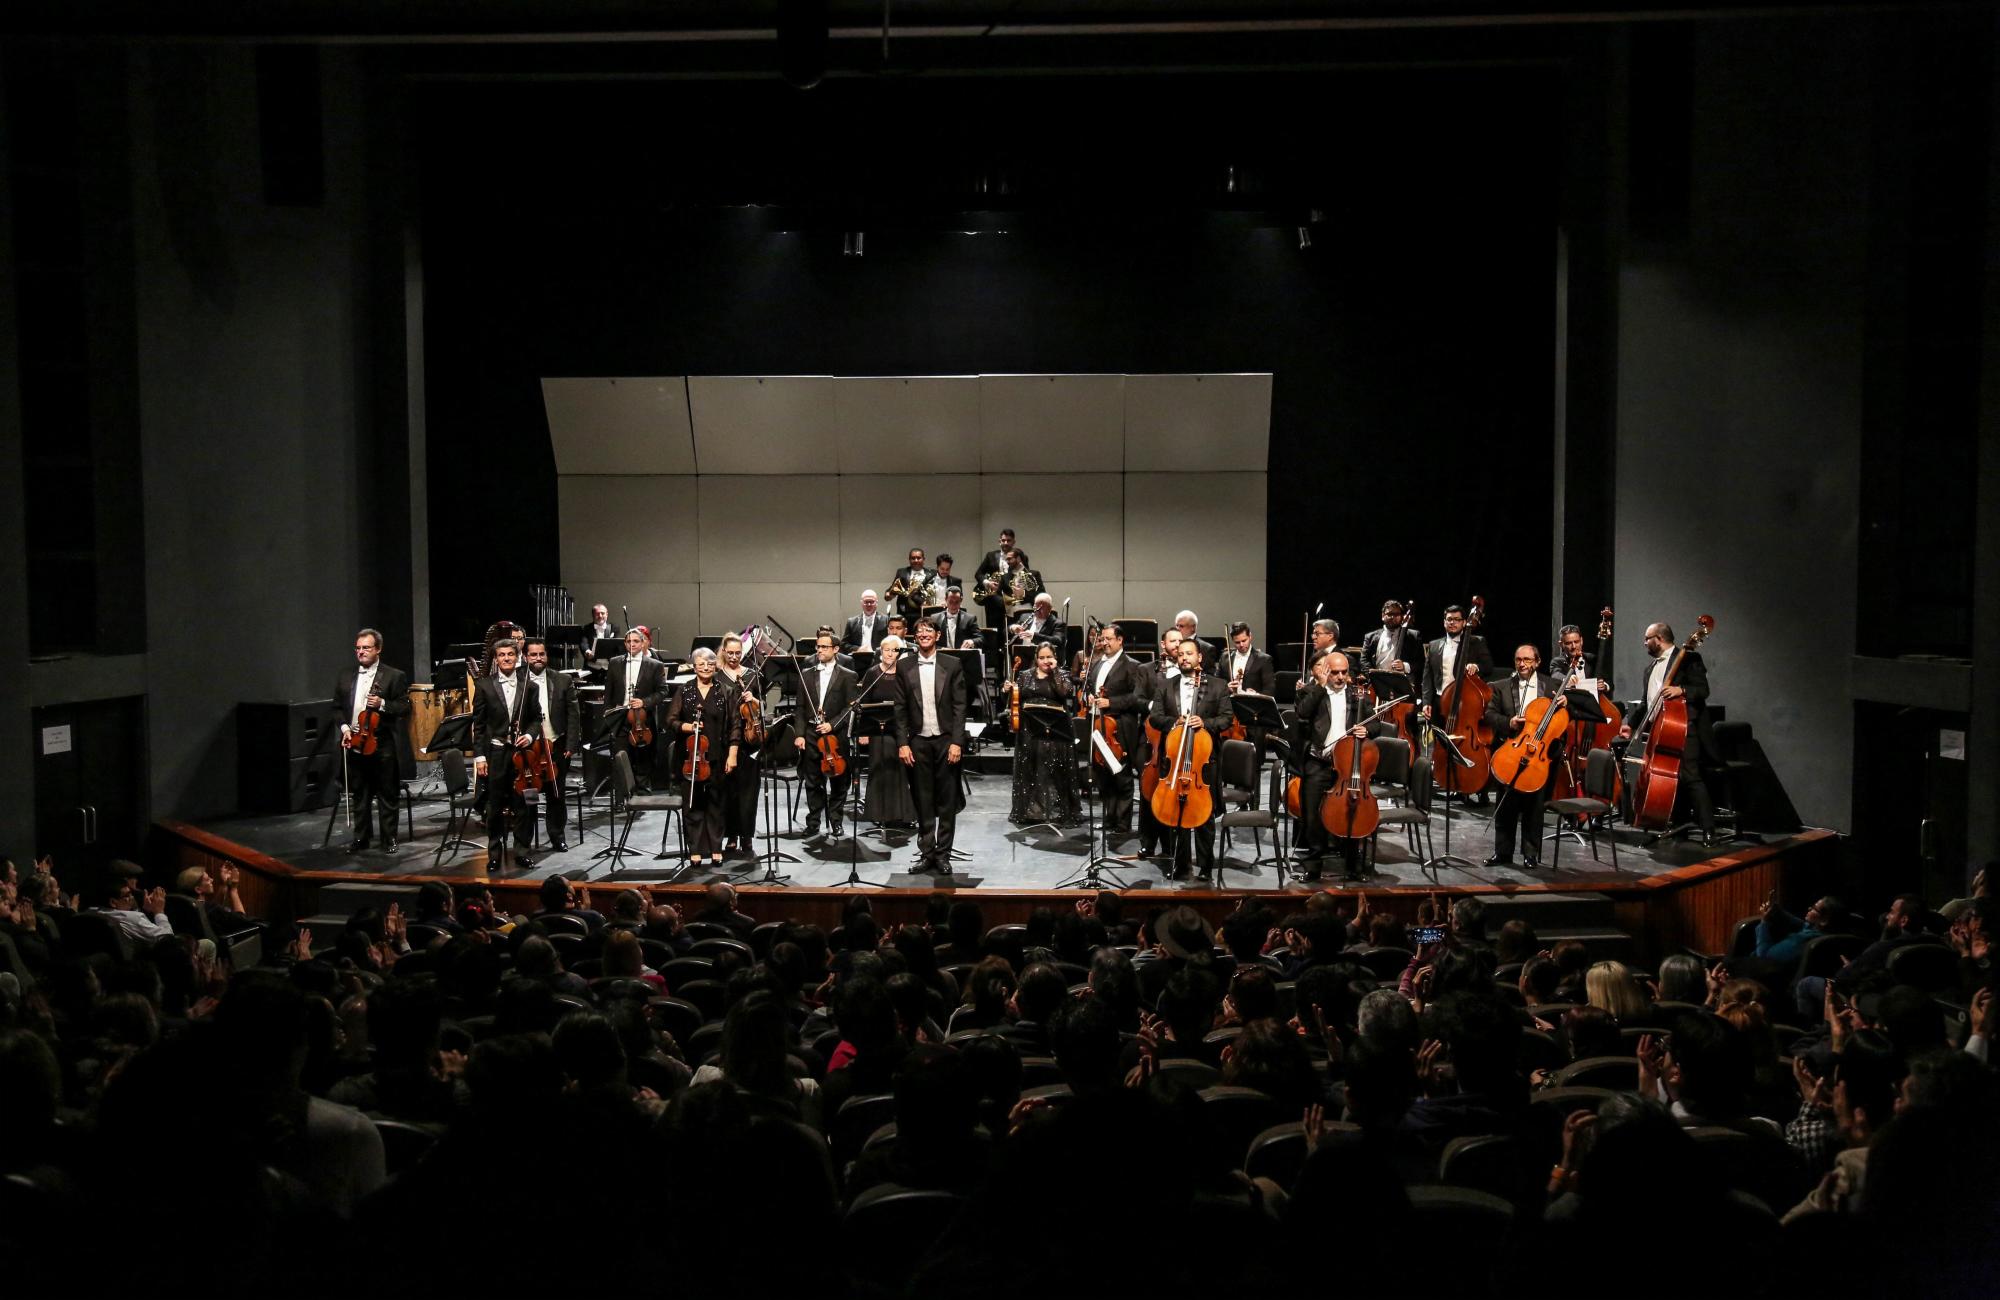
x=1609, y=986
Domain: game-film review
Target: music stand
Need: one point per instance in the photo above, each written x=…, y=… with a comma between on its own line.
x=1388, y=685
x=704, y=643
x=1437, y=736
x=1097, y=865
x=1045, y=720
x=1140, y=633
x=777, y=748
x=862, y=720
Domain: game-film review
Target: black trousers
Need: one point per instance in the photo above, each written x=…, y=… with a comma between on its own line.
x=705, y=814
x=643, y=757
x=934, y=782
x=739, y=800
x=1519, y=817
x=372, y=783
x=1114, y=793
x=555, y=807
x=501, y=800
x=1692, y=786
x=821, y=789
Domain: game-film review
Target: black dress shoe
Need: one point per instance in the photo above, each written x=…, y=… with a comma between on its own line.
x=359, y=844
x=1499, y=860
x=835, y=825
x=558, y=845
x=388, y=844
x=1531, y=862
x=812, y=826
x=523, y=861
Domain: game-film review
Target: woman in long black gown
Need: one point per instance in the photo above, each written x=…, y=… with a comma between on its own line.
x=889, y=801
x=1044, y=752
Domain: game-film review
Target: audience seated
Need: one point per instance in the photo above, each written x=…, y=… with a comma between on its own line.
x=367, y=1117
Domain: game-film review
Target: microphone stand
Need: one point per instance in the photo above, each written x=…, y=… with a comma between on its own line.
x=1097, y=864
x=848, y=715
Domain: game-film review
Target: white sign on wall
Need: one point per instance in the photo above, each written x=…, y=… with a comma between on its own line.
x=55, y=740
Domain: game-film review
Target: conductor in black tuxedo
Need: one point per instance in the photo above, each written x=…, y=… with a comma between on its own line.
x=506, y=715
x=1328, y=710
x=373, y=779
x=1690, y=684
x=826, y=691
x=562, y=726
x=931, y=719
x=636, y=675
x=1520, y=812
x=1392, y=647
x=1115, y=686
x=1209, y=703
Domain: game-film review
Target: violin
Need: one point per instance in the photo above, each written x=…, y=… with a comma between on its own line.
x=831, y=761
x=1182, y=796
x=751, y=708
x=534, y=767
x=1462, y=709
x=1014, y=709
x=365, y=736
x=1658, y=782
x=638, y=724
x=695, y=766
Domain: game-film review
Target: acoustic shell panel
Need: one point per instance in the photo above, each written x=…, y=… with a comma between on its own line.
x=1216, y=604
x=1067, y=424
x=1198, y=423
x=764, y=424
x=619, y=426
x=614, y=528
x=910, y=425
x=1071, y=525
x=798, y=607
x=1227, y=543
x=883, y=515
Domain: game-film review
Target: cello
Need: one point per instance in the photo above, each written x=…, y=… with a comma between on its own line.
x=1522, y=763
x=1350, y=810
x=1182, y=797
x=1658, y=781
x=1462, y=706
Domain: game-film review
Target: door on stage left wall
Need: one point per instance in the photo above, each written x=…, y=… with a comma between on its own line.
x=90, y=788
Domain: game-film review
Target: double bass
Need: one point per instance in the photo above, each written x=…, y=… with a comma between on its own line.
x=1182, y=797
x=1658, y=781
x=1462, y=716
x=1586, y=736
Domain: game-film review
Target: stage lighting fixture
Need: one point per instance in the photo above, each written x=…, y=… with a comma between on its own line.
x=852, y=244
x=1305, y=239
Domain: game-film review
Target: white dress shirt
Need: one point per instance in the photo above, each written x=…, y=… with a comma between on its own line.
x=632, y=678
x=927, y=687
x=1103, y=671
x=1656, y=681
x=1336, y=721
x=868, y=631
x=548, y=712
x=1451, y=644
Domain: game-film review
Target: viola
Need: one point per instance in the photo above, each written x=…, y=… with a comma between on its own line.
x=1658, y=781
x=534, y=767
x=365, y=736
x=1462, y=715
x=695, y=766
x=831, y=761
x=1183, y=797
x=638, y=724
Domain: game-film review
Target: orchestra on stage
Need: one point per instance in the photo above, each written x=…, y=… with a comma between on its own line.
x=1115, y=725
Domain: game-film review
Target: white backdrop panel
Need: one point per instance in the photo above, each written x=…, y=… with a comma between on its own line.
x=774, y=424
x=914, y=425
x=594, y=514
x=800, y=606
x=619, y=426
x=883, y=515
x=1227, y=513
x=1217, y=604
x=1075, y=423
x=1071, y=525
x=671, y=609
x=1196, y=423
x=756, y=528
x=1104, y=598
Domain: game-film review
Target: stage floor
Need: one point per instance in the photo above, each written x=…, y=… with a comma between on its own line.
x=993, y=853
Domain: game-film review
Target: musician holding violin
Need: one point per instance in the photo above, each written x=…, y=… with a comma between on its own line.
x=1188, y=703
x=1044, y=750
x=562, y=729
x=1115, y=688
x=1330, y=710
x=1520, y=811
x=827, y=690
x=740, y=788
x=707, y=730
x=1689, y=685
x=506, y=716
x=634, y=683
x=376, y=702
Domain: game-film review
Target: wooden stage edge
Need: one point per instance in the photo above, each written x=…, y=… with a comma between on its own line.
x=1693, y=907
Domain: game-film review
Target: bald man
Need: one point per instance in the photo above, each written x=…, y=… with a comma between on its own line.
x=1507, y=715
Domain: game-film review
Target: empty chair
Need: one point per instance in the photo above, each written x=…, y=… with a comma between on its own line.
x=1540, y=1051
x=1600, y=772
x=1825, y=954
x=1932, y=967
x=703, y=1043
x=1488, y=1163
x=1618, y=1073
x=626, y=795
x=458, y=806
x=1238, y=769
x=1412, y=782
x=761, y=938
x=887, y=1229
x=569, y=947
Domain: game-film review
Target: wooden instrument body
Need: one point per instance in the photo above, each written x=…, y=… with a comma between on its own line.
x=638, y=726
x=1183, y=797
x=1107, y=727
x=1350, y=810
x=695, y=766
x=1462, y=709
x=1149, y=776
x=534, y=767
x=1522, y=763
x=365, y=736
x=831, y=761
x=1658, y=782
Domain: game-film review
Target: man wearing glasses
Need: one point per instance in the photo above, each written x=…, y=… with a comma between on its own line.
x=143, y=918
